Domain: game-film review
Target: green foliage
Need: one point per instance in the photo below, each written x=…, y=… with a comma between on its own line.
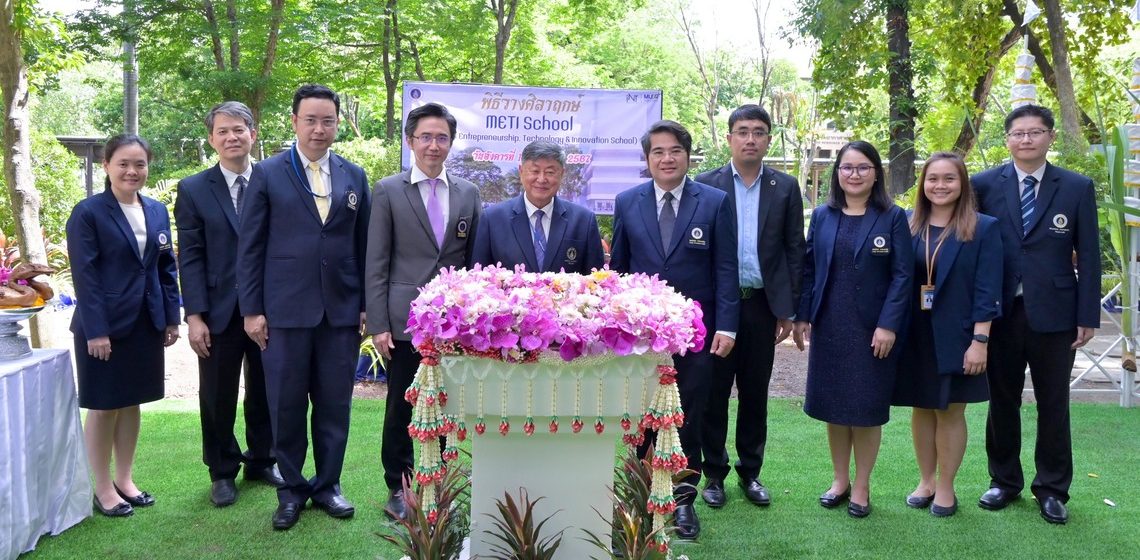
x=520, y=538
x=373, y=154
x=57, y=173
x=422, y=538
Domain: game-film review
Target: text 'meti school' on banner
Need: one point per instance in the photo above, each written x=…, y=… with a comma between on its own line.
x=600, y=129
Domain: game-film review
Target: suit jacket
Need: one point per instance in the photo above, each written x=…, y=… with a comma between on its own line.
x=884, y=266
x=1056, y=298
x=573, y=244
x=700, y=262
x=780, y=239
x=294, y=269
x=967, y=290
x=207, y=247
x=112, y=281
x=404, y=255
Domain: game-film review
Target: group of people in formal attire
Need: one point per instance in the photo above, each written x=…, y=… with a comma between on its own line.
x=285, y=263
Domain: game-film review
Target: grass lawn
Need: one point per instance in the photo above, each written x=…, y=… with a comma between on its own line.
x=1106, y=440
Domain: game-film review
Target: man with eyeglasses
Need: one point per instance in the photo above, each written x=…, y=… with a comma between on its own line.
x=537, y=229
x=301, y=248
x=770, y=247
x=1046, y=213
x=423, y=219
x=685, y=233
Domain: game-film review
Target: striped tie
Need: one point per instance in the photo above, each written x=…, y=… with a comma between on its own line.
x=539, y=240
x=1028, y=199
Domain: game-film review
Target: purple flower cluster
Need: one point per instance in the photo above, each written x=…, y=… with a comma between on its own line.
x=515, y=315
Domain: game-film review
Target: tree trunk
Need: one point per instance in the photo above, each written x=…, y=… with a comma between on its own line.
x=130, y=74
x=764, y=52
x=416, y=58
x=392, y=63
x=902, y=102
x=17, y=148
x=968, y=135
x=257, y=100
x=505, y=21
x=1066, y=95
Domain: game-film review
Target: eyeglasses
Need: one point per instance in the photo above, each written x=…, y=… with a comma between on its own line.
x=675, y=153
x=310, y=122
x=860, y=170
x=1023, y=134
x=440, y=139
x=744, y=135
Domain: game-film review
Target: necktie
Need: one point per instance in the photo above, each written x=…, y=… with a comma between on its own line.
x=1028, y=199
x=240, y=194
x=320, y=194
x=666, y=221
x=435, y=212
x=539, y=240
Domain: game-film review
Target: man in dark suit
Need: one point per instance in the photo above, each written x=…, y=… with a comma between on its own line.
x=545, y=233
x=206, y=213
x=423, y=219
x=684, y=232
x=304, y=227
x=769, y=214
x=1048, y=309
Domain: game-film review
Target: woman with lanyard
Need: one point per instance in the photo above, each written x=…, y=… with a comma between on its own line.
x=854, y=300
x=957, y=292
x=122, y=265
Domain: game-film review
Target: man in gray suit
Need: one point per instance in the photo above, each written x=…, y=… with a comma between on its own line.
x=423, y=219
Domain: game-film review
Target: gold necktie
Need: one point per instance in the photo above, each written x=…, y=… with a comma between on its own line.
x=319, y=191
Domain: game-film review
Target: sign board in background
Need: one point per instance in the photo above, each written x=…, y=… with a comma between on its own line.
x=599, y=129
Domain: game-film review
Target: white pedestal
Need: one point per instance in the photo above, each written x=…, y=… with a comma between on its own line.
x=573, y=473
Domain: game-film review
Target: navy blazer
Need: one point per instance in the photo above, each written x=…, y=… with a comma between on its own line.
x=780, y=239
x=1056, y=298
x=701, y=260
x=207, y=247
x=884, y=266
x=967, y=290
x=292, y=268
x=112, y=281
x=504, y=236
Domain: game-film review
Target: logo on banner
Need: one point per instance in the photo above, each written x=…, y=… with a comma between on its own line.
x=415, y=93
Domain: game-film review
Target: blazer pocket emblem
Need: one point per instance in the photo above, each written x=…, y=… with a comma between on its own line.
x=697, y=237
x=462, y=227
x=571, y=254
x=1060, y=225
x=879, y=246
x=351, y=200
x=164, y=241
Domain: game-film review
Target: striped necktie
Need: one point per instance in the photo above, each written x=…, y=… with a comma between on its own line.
x=1028, y=200
x=539, y=240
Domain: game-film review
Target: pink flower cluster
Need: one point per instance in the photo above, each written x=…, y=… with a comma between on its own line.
x=516, y=316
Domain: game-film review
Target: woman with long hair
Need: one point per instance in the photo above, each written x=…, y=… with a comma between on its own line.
x=957, y=293
x=854, y=302
x=122, y=264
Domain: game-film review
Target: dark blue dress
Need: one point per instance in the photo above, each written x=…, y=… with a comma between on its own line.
x=846, y=383
x=919, y=383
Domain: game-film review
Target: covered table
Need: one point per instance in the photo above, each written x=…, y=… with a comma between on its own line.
x=44, y=479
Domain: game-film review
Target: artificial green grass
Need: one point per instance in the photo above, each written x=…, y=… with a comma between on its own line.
x=184, y=525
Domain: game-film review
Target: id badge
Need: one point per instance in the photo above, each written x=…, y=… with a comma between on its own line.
x=926, y=297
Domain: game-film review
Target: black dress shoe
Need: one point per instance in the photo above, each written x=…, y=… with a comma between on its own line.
x=336, y=506
x=857, y=511
x=829, y=500
x=1054, y=511
x=713, y=494
x=144, y=499
x=121, y=509
x=396, y=508
x=688, y=526
x=919, y=502
x=270, y=475
x=996, y=498
x=755, y=492
x=939, y=511
x=287, y=515
x=223, y=492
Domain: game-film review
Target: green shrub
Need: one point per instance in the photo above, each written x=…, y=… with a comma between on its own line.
x=58, y=179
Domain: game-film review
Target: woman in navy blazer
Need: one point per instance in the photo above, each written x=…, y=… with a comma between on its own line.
x=957, y=293
x=855, y=299
x=122, y=265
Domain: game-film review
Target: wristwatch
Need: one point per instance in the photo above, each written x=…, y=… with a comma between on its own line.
x=982, y=338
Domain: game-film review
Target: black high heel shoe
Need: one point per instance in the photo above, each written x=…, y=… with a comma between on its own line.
x=121, y=509
x=144, y=499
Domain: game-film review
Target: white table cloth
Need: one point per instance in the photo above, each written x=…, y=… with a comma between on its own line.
x=44, y=480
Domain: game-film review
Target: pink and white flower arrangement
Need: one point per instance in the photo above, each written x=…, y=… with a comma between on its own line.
x=517, y=316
